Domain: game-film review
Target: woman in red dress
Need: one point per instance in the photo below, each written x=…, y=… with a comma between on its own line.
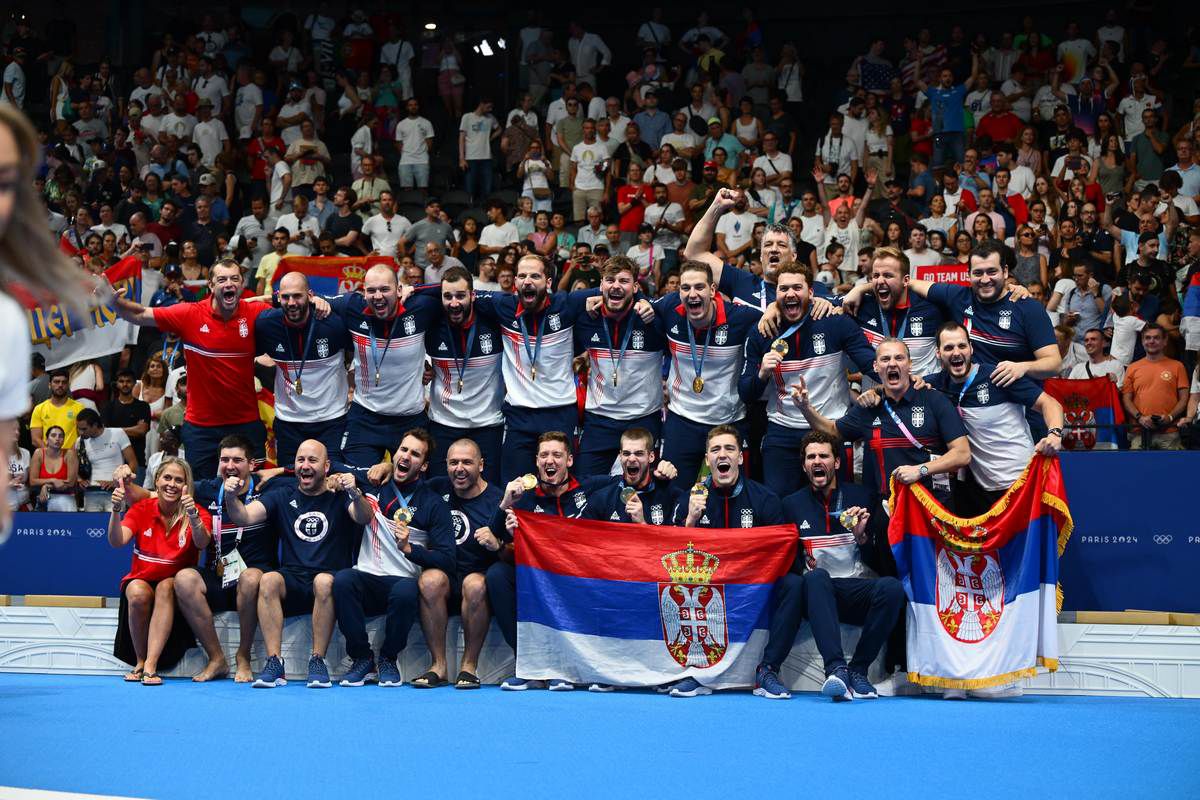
x=168, y=532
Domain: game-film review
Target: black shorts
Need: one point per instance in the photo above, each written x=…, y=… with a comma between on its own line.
x=454, y=600
x=298, y=584
x=219, y=598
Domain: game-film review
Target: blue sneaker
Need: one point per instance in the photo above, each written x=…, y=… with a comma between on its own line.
x=360, y=672
x=860, y=687
x=272, y=674
x=768, y=685
x=388, y=674
x=837, y=685
x=559, y=685
x=689, y=687
x=515, y=684
x=318, y=673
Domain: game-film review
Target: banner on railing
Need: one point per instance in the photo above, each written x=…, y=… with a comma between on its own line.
x=330, y=275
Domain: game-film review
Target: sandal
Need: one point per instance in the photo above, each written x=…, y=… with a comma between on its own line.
x=151, y=679
x=430, y=680
x=466, y=680
x=134, y=675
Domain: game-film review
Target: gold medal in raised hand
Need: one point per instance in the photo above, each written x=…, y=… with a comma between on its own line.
x=220, y=568
x=529, y=482
x=779, y=346
x=697, y=384
x=627, y=493
x=403, y=515
x=848, y=519
x=700, y=490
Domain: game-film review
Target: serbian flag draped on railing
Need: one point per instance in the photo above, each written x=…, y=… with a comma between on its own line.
x=982, y=592
x=64, y=338
x=644, y=605
x=1091, y=411
x=330, y=275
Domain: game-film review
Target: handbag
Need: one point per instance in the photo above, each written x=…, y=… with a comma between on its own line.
x=457, y=78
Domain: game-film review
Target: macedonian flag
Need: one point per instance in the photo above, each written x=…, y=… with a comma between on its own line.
x=983, y=599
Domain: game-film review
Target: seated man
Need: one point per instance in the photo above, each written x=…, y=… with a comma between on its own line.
x=838, y=536
x=643, y=493
x=408, y=540
x=552, y=491
x=725, y=499
x=318, y=528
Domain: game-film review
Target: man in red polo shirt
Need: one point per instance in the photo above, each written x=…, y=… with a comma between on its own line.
x=999, y=123
x=218, y=337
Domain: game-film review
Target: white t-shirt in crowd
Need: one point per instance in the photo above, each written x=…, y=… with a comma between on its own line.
x=412, y=134
x=776, y=164
x=105, y=453
x=498, y=235
x=13, y=74
x=1124, y=338
x=738, y=228
x=1109, y=366
x=292, y=132
x=210, y=137
x=665, y=238
x=361, y=140
x=277, y=193
x=478, y=129
x=383, y=240
x=246, y=103
x=586, y=156
x=1022, y=106
x=294, y=225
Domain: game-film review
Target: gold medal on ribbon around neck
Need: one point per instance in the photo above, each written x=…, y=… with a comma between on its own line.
x=627, y=493
x=529, y=481
x=698, y=384
x=780, y=346
x=403, y=515
x=848, y=519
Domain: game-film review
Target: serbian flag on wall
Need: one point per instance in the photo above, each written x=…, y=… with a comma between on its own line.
x=982, y=592
x=1091, y=411
x=644, y=605
x=330, y=275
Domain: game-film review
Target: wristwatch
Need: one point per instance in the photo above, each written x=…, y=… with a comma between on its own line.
x=924, y=470
x=1056, y=431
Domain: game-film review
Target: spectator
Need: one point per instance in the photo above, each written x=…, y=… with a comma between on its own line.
x=589, y=54
x=292, y=113
x=499, y=234
x=430, y=229
x=414, y=138
x=1155, y=394
x=652, y=123
x=54, y=472
x=129, y=414
x=106, y=449
x=309, y=158
x=1098, y=362
x=475, y=134
x=59, y=410
x=369, y=189
x=387, y=229
x=265, y=273
x=589, y=176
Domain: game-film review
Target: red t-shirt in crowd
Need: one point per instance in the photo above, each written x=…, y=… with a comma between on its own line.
x=255, y=153
x=632, y=219
x=1000, y=127
x=158, y=553
x=220, y=359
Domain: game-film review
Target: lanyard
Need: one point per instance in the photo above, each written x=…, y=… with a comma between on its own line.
x=469, y=342
x=903, y=428
x=218, y=527
x=616, y=362
x=303, y=359
x=168, y=362
x=887, y=327
x=376, y=359
x=803, y=319
x=837, y=508
x=698, y=363
x=531, y=353
x=762, y=299
x=966, y=385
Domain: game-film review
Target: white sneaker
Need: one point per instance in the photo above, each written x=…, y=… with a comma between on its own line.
x=898, y=685
x=559, y=685
x=602, y=688
x=954, y=694
x=689, y=687
x=999, y=692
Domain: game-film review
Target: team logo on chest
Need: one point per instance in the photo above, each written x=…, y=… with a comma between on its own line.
x=554, y=322
x=656, y=514
x=692, y=609
x=410, y=325
x=311, y=526
x=1006, y=319
x=722, y=335
x=485, y=343
x=983, y=394
x=818, y=342
x=918, y=416
x=580, y=500
x=243, y=328
x=638, y=340
x=462, y=526
x=916, y=325
x=322, y=348
x=747, y=518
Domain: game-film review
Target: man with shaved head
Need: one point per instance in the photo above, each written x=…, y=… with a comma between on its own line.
x=311, y=394
x=387, y=334
x=318, y=528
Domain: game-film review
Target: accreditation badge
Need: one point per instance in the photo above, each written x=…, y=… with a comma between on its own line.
x=231, y=568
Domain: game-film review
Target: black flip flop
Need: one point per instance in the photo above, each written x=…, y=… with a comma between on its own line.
x=466, y=680
x=430, y=680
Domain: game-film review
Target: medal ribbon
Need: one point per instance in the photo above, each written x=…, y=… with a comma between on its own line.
x=967, y=385
x=376, y=359
x=469, y=340
x=536, y=351
x=887, y=327
x=218, y=523
x=312, y=320
x=167, y=362
x=698, y=363
x=616, y=362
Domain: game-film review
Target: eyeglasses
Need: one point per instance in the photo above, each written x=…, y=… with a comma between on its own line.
x=389, y=224
x=1027, y=234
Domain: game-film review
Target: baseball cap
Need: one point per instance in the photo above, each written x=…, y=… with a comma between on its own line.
x=710, y=165
x=204, y=103
x=208, y=179
x=172, y=271
x=714, y=120
x=294, y=85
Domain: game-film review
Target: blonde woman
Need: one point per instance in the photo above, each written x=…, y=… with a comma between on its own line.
x=178, y=530
x=60, y=91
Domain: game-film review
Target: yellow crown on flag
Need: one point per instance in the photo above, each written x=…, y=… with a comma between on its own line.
x=353, y=272
x=690, y=565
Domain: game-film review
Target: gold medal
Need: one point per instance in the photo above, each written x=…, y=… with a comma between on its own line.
x=220, y=567
x=403, y=515
x=376, y=378
x=614, y=379
x=700, y=490
x=697, y=384
x=848, y=519
x=627, y=493
x=529, y=482
x=780, y=346
x=533, y=373
x=460, y=382
x=299, y=388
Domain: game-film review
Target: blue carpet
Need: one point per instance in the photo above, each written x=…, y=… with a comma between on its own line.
x=182, y=740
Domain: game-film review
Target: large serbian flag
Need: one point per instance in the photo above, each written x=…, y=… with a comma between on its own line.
x=1091, y=411
x=330, y=275
x=644, y=605
x=982, y=592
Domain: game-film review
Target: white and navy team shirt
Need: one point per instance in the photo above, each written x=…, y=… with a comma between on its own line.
x=1005, y=330
x=430, y=532
x=1001, y=442
x=553, y=326
x=916, y=322
x=748, y=504
x=658, y=498
x=311, y=356
x=471, y=354
x=743, y=286
x=625, y=359
x=394, y=348
x=718, y=352
x=815, y=352
x=571, y=503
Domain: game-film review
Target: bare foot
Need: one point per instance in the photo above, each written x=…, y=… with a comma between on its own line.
x=244, y=674
x=215, y=669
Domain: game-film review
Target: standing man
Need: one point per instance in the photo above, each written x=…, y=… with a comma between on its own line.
x=218, y=337
x=310, y=373
x=912, y=435
x=1155, y=394
x=430, y=229
x=388, y=341
x=1098, y=362
x=255, y=229
x=466, y=393
x=130, y=415
x=813, y=348
x=387, y=229
x=414, y=141
x=589, y=176
x=475, y=134
x=408, y=542
x=317, y=528
x=624, y=370
x=834, y=579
